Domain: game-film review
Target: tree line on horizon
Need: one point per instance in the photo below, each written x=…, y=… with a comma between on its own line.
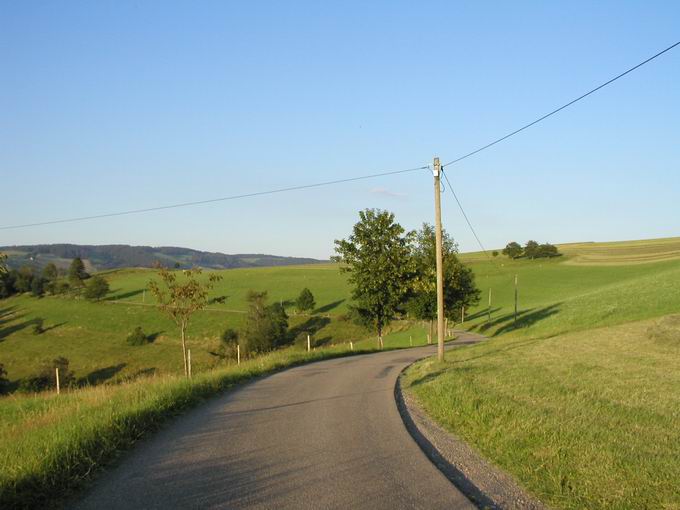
x=532, y=250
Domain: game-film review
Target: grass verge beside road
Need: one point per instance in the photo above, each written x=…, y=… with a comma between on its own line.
x=582, y=420
x=50, y=444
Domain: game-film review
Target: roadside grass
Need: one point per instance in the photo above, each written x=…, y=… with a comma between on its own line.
x=50, y=445
x=582, y=420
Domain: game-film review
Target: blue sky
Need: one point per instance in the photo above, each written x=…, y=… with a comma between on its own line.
x=108, y=106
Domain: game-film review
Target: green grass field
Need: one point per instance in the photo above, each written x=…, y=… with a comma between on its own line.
x=583, y=417
x=579, y=399
x=93, y=335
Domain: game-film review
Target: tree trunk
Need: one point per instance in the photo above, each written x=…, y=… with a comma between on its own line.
x=183, y=328
x=380, y=339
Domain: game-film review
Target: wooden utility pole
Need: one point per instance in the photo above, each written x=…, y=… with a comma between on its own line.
x=56, y=371
x=516, y=299
x=440, y=262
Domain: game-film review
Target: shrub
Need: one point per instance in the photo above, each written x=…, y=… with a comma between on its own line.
x=38, y=326
x=96, y=288
x=61, y=287
x=266, y=326
x=38, y=286
x=46, y=379
x=494, y=253
x=305, y=300
x=137, y=337
x=228, y=344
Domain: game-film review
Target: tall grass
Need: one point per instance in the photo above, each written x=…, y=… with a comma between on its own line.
x=50, y=444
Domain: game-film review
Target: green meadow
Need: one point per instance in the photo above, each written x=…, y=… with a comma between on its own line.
x=92, y=336
x=579, y=398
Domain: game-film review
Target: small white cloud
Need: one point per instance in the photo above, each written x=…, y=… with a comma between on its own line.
x=386, y=192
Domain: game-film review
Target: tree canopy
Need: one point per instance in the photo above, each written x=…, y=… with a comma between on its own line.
x=77, y=273
x=377, y=258
x=305, y=301
x=513, y=250
x=266, y=326
x=459, y=283
x=96, y=288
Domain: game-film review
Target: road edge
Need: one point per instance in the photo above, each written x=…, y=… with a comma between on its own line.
x=486, y=485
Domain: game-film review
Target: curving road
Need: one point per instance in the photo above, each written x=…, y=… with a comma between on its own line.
x=323, y=435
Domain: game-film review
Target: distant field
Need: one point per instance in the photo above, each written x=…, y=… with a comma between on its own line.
x=608, y=253
x=92, y=335
x=555, y=297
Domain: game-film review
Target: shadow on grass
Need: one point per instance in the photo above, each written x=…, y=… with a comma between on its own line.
x=525, y=318
x=9, y=322
x=329, y=306
x=310, y=327
x=54, y=326
x=152, y=336
x=481, y=313
x=102, y=374
x=124, y=295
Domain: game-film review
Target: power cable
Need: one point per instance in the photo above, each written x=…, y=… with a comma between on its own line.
x=212, y=200
x=469, y=223
x=561, y=107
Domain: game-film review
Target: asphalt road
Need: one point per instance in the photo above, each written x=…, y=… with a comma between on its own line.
x=323, y=435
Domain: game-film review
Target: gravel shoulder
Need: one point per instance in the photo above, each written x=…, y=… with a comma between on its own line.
x=486, y=485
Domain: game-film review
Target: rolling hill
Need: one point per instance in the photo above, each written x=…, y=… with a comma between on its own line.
x=116, y=256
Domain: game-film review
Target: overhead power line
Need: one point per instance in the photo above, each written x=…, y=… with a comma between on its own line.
x=212, y=200
x=467, y=220
x=476, y=151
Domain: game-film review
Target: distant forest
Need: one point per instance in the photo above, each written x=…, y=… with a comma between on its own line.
x=115, y=256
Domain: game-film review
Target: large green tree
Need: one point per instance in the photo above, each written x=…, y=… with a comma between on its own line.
x=459, y=282
x=513, y=250
x=531, y=249
x=377, y=259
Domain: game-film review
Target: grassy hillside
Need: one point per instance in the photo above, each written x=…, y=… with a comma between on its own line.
x=582, y=420
x=557, y=296
x=583, y=415
x=93, y=335
x=116, y=256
